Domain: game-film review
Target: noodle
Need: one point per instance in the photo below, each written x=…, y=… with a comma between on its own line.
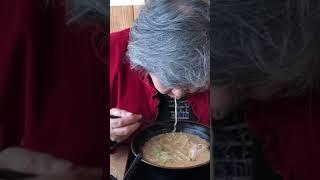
x=176, y=150
x=175, y=115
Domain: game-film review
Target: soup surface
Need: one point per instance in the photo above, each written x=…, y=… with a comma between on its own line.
x=176, y=150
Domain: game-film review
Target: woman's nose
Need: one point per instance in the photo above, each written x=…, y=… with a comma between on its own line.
x=178, y=93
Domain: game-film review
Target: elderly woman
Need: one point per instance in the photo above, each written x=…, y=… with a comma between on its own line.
x=266, y=63
x=164, y=56
x=52, y=101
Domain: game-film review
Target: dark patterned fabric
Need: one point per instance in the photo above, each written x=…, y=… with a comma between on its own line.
x=233, y=152
x=166, y=109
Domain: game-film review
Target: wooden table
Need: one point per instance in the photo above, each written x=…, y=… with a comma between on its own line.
x=118, y=161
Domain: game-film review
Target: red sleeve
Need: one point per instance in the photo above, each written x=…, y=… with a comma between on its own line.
x=200, y=103
x=118, y=46
x=52, y=83
x=16, y=18
x=288, y=130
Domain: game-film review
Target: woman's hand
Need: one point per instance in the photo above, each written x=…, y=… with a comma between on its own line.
x=79, y=173
x=31, y=162
x=121, y=128
x=44, y=166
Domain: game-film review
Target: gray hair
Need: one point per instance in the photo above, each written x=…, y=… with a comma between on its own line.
x=78, y=11
x=257, y=43
x=86, y=10
x=171, y=40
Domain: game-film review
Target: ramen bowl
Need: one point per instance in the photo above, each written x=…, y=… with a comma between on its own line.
x=189, y=127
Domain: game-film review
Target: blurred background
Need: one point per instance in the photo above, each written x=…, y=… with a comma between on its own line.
x=123, y=13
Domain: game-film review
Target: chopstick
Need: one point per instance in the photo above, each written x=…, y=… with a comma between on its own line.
x=116, y=117
x=133, y=167
x=14, y=175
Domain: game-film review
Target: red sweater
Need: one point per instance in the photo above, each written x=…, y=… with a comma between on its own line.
x=289, y=131
x=132, y=91
x=52, y=83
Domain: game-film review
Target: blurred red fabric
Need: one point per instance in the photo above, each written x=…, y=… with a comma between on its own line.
x=289, y=131
x=53, y=84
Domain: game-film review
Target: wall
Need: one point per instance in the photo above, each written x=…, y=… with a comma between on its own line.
x=123, y=13
x=122, y=17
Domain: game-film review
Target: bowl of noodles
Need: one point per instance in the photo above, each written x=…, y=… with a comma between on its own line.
x=187, y=147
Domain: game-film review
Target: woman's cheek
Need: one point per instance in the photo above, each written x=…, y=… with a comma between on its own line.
x=222, y=101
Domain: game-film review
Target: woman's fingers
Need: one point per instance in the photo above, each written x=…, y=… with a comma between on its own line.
x=120, y=112
x=27, y=161
x=122, y=133
x=77, y=173
x=124, y=121
x=127, y=130
x=118, y=138
x=121, y=128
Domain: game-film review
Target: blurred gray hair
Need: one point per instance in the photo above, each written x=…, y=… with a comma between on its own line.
x=86, y=10
x=171, y=40
x=256, y=43
x=78, y=11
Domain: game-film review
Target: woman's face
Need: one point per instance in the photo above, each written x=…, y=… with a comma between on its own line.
x=172, y=92
x=225, y=99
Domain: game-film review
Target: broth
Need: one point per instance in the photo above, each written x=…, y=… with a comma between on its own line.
x=176, y=150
